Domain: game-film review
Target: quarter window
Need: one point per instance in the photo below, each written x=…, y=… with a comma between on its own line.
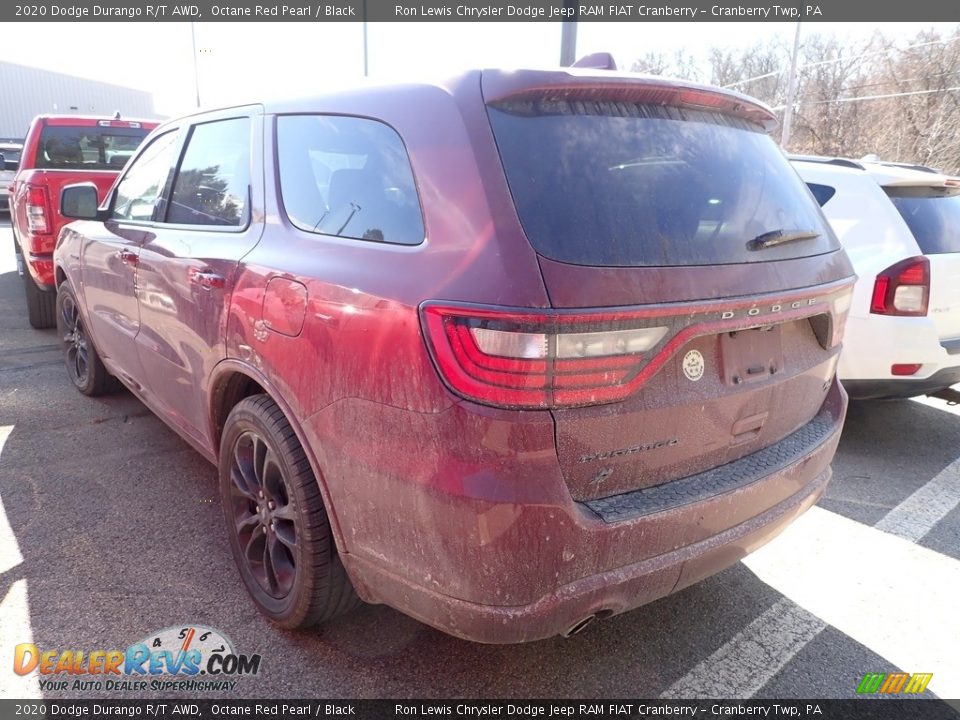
x=212, y=183
x=138, y=193
x=348, y=177
x=822, y=193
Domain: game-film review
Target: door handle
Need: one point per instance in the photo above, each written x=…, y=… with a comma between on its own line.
x=208, y=280
x=128, y=256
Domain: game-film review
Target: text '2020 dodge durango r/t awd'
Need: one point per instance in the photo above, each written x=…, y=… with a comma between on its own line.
x=508, y=353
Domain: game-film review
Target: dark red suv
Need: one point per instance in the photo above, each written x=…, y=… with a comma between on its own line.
x=509, y=353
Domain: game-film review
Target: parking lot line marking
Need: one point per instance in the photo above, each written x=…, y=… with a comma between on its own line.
x=916, y=516
x=885, y=592
x=10, y=555
x=15, y=621
x=747, y=662
x=790, y=563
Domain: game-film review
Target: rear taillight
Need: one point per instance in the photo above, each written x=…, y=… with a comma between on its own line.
x=538, y=360
x=38, y=210
x=902, y=289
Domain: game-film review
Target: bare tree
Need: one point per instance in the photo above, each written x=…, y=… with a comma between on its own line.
x=900, y=101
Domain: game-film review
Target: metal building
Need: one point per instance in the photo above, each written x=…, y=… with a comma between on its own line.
x=26, y=92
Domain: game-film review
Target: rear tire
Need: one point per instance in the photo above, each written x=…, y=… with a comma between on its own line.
x=279, y=530
x=84, y=366
x=41, y=305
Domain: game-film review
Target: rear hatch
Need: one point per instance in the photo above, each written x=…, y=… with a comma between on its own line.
x=697, y=283
x=933, y=215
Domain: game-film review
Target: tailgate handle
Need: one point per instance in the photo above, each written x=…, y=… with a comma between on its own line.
x=747, y=428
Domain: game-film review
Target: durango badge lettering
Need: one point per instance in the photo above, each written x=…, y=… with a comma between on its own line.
x=628, y=450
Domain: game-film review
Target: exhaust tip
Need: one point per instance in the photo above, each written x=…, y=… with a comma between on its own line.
x=579, y=626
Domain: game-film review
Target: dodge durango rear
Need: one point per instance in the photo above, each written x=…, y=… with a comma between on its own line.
x=509, y=353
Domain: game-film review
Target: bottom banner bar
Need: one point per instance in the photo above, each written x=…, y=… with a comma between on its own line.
x=515, y=709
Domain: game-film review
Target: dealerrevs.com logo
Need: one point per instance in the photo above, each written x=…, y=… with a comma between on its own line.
x=185, y=658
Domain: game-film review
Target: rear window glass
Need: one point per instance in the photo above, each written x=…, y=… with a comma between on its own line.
x=87, y=148
x=822, y=193
x=348, y=177
x=932, y=216
x=617, y=184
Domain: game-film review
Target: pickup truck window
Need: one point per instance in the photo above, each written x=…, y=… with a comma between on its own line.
x=87, y=148
x=141, y=187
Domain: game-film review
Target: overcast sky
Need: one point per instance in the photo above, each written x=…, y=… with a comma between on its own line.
x=252, y=61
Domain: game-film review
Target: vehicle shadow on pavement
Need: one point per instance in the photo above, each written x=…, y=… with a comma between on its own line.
x=119, y=527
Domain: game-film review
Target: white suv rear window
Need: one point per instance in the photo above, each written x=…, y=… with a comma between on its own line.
x=932, y=216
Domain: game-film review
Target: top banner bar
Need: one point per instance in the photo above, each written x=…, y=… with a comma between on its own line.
x=478, y=11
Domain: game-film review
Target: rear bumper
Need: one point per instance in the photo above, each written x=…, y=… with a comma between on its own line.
x=601, y=595
x=871, y=345
x=903, y=387
x=37, y=252
x=507, y=572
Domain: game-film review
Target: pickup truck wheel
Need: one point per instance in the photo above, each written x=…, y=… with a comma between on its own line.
x=84, y=367
x=41, y=304
x=278, y=527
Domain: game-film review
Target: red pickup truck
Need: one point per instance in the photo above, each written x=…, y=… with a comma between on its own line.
x=59, y=151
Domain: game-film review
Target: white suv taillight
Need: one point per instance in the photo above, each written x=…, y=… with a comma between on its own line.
x=903, y=288
x=37, y=210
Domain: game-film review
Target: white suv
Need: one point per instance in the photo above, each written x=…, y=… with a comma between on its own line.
x=900, y=226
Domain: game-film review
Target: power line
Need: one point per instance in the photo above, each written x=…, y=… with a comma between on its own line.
x=872, y=97
x=902, y=80
x=836, y=60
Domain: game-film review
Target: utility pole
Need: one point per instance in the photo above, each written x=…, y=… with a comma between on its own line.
x=366, y=66
x=568, y=37
x=196, y=67
x=791, y=92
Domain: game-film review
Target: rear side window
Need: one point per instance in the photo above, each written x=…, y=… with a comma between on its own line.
x=87, y=148
x=932, y=216
x=822, y=193
x=620, y=184
x=212, y=185
x=348, y=177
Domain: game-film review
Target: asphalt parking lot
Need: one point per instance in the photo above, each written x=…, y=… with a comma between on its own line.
x=110, y=529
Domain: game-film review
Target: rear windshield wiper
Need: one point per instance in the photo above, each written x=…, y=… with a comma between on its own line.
x=779, y=237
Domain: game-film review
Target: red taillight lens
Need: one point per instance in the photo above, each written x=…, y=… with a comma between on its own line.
x=537, y=360
x=905, y=368
x=37, y=210
x=902, y=289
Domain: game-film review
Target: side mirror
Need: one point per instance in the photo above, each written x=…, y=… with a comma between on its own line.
x=79, y=201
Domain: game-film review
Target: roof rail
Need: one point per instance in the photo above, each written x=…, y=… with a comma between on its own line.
x=841, y=162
